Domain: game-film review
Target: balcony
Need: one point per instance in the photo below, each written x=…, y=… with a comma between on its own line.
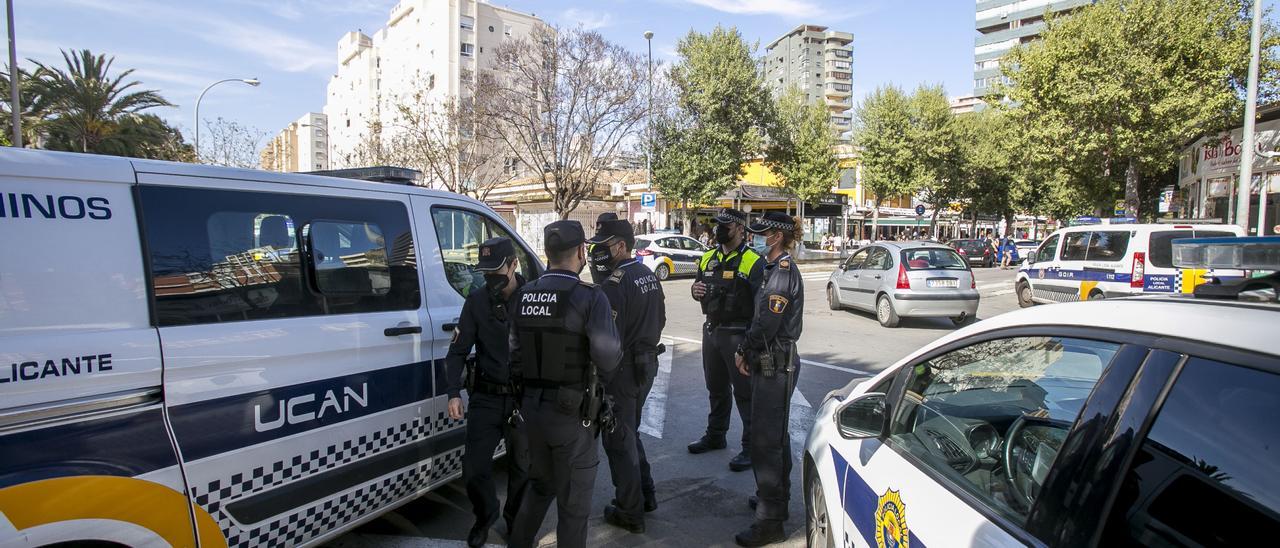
x=833, y=92
x=843, y=104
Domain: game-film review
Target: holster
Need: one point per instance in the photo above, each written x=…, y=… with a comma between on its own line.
x=469, y=377
x=643, y=361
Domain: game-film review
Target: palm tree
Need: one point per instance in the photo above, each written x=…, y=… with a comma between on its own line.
x=34, y=107
x=86, y=105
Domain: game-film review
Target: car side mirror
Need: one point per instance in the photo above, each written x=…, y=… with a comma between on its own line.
x=1031, y=259
x=862, y=417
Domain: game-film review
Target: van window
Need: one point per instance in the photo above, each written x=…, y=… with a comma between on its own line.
x=222, y=256
x=1161, y=251
x=1209, y=460
x=1075, y=246
x=460, y=233
x=1047, y=249
x=1108, y=245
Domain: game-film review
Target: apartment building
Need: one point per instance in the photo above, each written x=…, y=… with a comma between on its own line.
x=303, y=145
x=819, y=62
x=435, y=47
x=1003, y=24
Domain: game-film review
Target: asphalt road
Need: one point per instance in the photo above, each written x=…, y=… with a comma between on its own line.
x=701, y=502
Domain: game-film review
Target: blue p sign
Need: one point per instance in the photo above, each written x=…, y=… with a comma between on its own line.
x=649, y=200
x=920, y=209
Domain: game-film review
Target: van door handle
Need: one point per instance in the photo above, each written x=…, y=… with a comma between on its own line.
x=877, y=276
x=406, y=330
x=448, y=327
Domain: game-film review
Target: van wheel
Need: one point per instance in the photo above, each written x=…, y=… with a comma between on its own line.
x=1096, y=295
x=885, y=313
x=832, y=300
x=1024, y=295
x=662, y=272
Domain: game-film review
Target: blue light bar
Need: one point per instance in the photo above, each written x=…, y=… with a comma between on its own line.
x=1248, y=253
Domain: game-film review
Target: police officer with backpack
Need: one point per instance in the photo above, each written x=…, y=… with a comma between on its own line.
x=729, y=276
x=564, y=350
x=491, y=410
x=640, y=311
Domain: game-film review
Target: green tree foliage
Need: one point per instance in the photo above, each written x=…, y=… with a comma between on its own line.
x=935, y=150
x=721, y=105
x=87, y=104
x=33, y=108
x=1112, y=92
x=801, y=149
x=883, y=132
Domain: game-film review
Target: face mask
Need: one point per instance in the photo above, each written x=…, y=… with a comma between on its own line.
x=760, y=244
x=723, y=236
x=601, y=262
x=496, y=283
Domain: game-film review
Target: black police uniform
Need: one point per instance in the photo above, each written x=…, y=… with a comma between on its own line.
x=732, y=281
x=769, y=348
x=640, y=311
x=483, y=325
x=560, y=328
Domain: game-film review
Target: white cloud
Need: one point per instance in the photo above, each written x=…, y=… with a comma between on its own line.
x=589, y=20
x=790, y=8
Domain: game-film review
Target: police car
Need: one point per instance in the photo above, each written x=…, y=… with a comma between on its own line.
x=1134, y=422
x=1107, y=258
x=223, y=357
x=669, y=254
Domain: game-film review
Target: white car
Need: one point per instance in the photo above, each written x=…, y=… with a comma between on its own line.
x=669, y=254
x=1141, y=421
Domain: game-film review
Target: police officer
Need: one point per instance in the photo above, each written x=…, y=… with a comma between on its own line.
x=728, y=277
x=564, y=349
x=767, y=354
x=599, y=261
x=640, y=312
x=483, y=325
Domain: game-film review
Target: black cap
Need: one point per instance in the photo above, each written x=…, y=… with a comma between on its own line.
x=610, y=229
x=773, y=220
x=494, y=253
x=606, y=216
x=562, y=235
x=730, y=215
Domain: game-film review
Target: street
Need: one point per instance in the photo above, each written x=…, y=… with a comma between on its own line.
x=701, y=502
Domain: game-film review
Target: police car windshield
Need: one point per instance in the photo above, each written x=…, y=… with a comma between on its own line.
x=933, y=259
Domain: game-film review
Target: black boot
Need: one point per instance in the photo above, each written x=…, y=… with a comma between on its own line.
x=613, y=517
x=707, y=443
x=761, y=533
x=740, y=462
x=650, y=501
x=752, y=502
x=479, y=535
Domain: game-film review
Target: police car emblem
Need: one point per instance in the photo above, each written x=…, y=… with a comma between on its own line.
x=1040, y=273
x=891, y=521
x=778, y=303
x=484, y=252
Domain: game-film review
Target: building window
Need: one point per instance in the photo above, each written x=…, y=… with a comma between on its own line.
x=467, y=22
x=506, y=29
x=468, y=49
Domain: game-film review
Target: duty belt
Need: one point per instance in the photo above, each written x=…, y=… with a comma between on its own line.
x=729, y=325
x=483, y=386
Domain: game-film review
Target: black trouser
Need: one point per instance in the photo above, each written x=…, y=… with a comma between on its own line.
x=487, y=423
x=562, y=467
x=724, y=383
x=628, y=466
x=771, y=438
x=646, y=475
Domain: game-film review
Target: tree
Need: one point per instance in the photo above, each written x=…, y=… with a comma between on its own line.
x=801, y=149
x=34, y=105
x=883, y=131
x=149, y=136
x=229, y=143
x=721, y=106
x=935, y=150
x=1115, y=89
x=85, y=104
x=447, y=141
x=563, y=102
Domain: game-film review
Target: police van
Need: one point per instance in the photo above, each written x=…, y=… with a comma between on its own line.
x=1108, y=258
x=1146, y=421
x=195, y=355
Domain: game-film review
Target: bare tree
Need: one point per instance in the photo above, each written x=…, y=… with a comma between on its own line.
x=443, y=139
x=231, y=144
x=563, y=103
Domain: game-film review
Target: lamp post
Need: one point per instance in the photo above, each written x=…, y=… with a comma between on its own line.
x=1250, y=112
x=14, y=82
x=648, y=124
x=251, y=81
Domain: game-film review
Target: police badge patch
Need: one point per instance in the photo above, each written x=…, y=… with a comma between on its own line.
x=891, y=521
x=778, y=303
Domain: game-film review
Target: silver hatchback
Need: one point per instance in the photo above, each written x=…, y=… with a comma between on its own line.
x=905, y=280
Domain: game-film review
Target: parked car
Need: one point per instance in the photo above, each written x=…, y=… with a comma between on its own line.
x=669, y=254
x=1117, y=423
x=905, y=279
x=1026, y=247
x=976, y=252
x=1091, y=262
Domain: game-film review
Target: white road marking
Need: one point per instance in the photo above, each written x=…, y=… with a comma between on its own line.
x=1001, y=292
x=849, y=370
x=799, y=421
x=654, y=416
x=989, y=285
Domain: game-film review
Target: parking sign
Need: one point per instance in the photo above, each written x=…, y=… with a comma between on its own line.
x=648, y=200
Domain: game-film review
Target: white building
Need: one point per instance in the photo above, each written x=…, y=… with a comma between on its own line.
x=303, y=145
x=432, y=46
x=818, y=62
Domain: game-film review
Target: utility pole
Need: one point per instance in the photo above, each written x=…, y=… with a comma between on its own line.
x=15, y=98
x=1243, y=190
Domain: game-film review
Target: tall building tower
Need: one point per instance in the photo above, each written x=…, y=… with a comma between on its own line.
x=818, y=62
x=1003, y=24
x=303, y=145
x=435, y=47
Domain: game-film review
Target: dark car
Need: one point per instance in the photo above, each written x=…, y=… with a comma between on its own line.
x=977, y=252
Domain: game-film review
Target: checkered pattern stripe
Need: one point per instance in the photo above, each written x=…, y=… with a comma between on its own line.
x=1177, y=281
x=309, y=522
x=769, y=223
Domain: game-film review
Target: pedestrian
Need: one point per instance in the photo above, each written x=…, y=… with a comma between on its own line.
x=598, y=259
x=564, y=349
x=1008, y=253
x=729, y=275
x=640, y=312
x=483, y=325
x=768, y=356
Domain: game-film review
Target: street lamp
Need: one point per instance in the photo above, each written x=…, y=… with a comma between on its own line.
x=648, y=154
x=251, y=81
x=1250, y=110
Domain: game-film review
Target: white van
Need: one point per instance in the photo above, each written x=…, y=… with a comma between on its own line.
x=1100, y=261
x=213, y=356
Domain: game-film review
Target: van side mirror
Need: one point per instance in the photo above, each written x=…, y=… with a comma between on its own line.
x=1031, y=258
x=862, y=417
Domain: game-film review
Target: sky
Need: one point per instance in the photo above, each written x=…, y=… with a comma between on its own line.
x=179, y=46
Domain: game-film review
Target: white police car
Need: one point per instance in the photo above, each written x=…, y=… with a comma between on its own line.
x=669, y=254
x=202, y=355
x=1143, y=421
